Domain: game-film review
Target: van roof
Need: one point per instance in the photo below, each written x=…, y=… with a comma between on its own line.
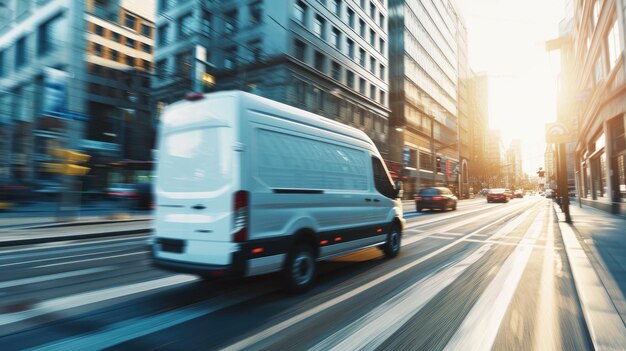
x=260, y=103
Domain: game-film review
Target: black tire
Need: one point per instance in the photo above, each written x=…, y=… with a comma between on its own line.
x=454, y=207
x=418, y=208
x=300, y=268
x=394, y=242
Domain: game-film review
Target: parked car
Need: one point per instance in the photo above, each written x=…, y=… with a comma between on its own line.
x=121, y=191
x=144, y=196
x=549, y=193
x=136, y=195
x=497, y=195
x=518, y=194
x=435, y=198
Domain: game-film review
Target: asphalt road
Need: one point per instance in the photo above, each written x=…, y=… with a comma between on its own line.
x=486, y=276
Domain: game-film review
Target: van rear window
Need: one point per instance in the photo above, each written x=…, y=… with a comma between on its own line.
x=196, y=160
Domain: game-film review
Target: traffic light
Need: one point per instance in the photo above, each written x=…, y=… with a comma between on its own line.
x=67, y=163
x=438, y=164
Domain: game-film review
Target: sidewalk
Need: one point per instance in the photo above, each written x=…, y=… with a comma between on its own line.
x=599, y=238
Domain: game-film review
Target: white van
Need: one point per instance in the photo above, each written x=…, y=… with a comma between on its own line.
x=248, y=186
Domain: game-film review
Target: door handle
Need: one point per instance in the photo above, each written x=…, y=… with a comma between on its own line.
x=376, y=200
x=368, y=200
x=198, y=207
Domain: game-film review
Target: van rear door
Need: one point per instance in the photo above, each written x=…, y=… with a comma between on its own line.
x=197, y=174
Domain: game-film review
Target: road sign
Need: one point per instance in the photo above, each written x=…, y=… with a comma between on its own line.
x=558, y=133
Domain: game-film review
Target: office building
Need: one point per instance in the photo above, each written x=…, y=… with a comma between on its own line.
x=425, y=43
x=73, y=74
x=327, y=57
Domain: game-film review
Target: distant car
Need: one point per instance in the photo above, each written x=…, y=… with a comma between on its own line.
x=518, y=194
x=137, y=195
x=549, y=193
x=497, y=195
x=435, y=198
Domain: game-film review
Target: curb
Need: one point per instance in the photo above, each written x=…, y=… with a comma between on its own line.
x=604, y=323
x=50, y=239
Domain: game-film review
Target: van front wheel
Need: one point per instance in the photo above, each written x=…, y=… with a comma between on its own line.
x=392, y=246
x=300, y=268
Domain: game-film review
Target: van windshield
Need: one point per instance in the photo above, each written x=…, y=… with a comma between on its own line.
x=195, y=160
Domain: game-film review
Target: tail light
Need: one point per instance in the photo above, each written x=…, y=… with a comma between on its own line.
x=437, y=198
x=241, y=211
x=418, y=198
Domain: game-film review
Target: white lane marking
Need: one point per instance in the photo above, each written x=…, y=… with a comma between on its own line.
x=606, y=328
x=45, y=278
x=16, y=253
x=59, y=258
x=118, y=333
x=480, y=327
x=264, y=334
x=371, y=330
x=83, y=299
x=92, y=259
x=545, y=327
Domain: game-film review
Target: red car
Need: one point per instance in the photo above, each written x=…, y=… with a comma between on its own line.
x=497, y=195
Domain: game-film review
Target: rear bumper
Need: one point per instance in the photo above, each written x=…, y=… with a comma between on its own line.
x=237, y=268
x=430, y=204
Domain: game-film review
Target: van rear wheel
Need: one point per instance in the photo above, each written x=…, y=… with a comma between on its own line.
x=392, y=246
x=300, y=268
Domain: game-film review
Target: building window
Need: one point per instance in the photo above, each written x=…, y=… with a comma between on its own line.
x=382, y=97
x=230, y=24
x=373, y=11
x=335, y=38
x=372, y=38
x=300, y=12
x=373, y=65
x=146, y=48
x=381, y=21
x=318, y=26
x=146, y=30
x=255, y=50
x=599, y=74
x=381, y=46
x=362, y=86
x=147, y=65
x=206, y=23
x=115, y=37
x=336, y=71
x=230, y=58
x=129, y=21
x=99, y=30
x=162, y=35
x=381, y=72
x=362, y=28
x=350, y=48
x=615, y=47
x=185, y=26
x=130, y=43
x=361, y=57
x=335, y=7
x=46, y=35
x=319, y=61
x=183, y=64
x=350, y=17
x=130, y=60
x=114, y=55
x=161, y=68
x=350, y=79
x=372, y=92
x=299, y=50
x=256, y=13
x=97, y=49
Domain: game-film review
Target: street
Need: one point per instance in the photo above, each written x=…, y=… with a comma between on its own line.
x=487, y=276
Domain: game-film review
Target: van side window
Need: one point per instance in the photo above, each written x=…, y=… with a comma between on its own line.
x=381, y=179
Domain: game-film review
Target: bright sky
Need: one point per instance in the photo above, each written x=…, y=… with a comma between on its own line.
x=507, y=40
